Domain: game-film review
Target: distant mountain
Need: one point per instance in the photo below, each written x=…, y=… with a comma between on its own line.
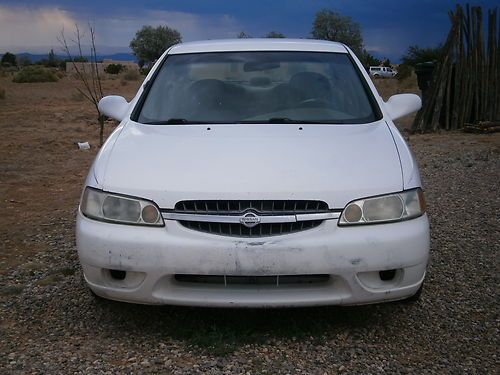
x=124, y=56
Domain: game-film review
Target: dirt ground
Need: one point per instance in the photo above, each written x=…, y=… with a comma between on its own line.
x=42, y=169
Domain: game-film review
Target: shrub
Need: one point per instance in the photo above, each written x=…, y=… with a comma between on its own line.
x=8, y=59
x=114, y=68
x=131, y=75
x=34, y=74
x=2, y=93
x=404, y=71
x=408, y=84
x=145, y=71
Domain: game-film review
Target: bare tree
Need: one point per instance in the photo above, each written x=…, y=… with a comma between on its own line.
x=86, y=73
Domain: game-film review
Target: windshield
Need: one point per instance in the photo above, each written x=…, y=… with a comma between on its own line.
x=257, y=87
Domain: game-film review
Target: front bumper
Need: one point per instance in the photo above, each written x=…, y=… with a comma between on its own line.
x=352, y=256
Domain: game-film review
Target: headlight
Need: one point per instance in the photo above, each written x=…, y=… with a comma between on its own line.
x=386, y=208
x=100, y=205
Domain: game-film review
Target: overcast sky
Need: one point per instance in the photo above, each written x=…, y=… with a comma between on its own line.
x=389, y=27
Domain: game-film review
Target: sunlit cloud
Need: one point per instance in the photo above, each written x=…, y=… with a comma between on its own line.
x=36, y=29
x=25, y=27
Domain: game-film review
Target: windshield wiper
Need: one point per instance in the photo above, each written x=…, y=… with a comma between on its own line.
x=286, y=120
x=175, y=121
x=283, y=120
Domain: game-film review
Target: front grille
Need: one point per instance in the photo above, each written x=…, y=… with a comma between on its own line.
x=260, y=207
x=274, y=280
x=264, y=207
x=239, y=230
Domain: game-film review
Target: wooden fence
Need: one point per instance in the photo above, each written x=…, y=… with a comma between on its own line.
x=465, y=86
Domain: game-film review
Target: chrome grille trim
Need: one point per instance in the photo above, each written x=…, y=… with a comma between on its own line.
x=264, y=207
x=264, y=219
x=250, y=218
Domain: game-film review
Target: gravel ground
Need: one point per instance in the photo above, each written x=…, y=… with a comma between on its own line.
x=50, y=323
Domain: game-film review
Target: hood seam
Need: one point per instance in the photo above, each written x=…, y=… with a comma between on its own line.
x=399, y=156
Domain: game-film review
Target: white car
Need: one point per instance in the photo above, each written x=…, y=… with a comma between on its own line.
x=258, y=172
x=382, y=71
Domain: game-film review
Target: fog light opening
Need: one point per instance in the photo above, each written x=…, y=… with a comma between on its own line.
x=387, y=275
x=118, y=274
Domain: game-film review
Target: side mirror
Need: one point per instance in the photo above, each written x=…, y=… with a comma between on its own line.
x=113, y=106
x=403, y=104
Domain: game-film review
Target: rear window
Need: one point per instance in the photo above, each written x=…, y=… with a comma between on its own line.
x=257, y=87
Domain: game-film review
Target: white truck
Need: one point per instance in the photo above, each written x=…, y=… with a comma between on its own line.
x=382, y=72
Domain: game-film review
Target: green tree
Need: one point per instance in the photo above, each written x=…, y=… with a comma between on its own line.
x=275, y=34
x=150, y=42
x=330, y=25
x=8, y=59
x=415, y=55
x=368, y=59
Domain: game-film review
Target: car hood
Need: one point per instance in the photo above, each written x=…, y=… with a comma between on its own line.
x=169, y=163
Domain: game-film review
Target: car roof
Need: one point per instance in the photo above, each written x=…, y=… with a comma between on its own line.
x=258, y=44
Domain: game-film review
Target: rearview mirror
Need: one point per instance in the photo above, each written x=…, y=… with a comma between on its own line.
x=403, y=104
x=113, y=106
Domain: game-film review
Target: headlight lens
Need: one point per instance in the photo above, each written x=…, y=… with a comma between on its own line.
x=100, y=205
x=387, y=208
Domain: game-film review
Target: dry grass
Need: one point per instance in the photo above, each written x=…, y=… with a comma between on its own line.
x=41, y=123
x=31, y=74
x=391, y=86
x=77, y=96
x=131, y=75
